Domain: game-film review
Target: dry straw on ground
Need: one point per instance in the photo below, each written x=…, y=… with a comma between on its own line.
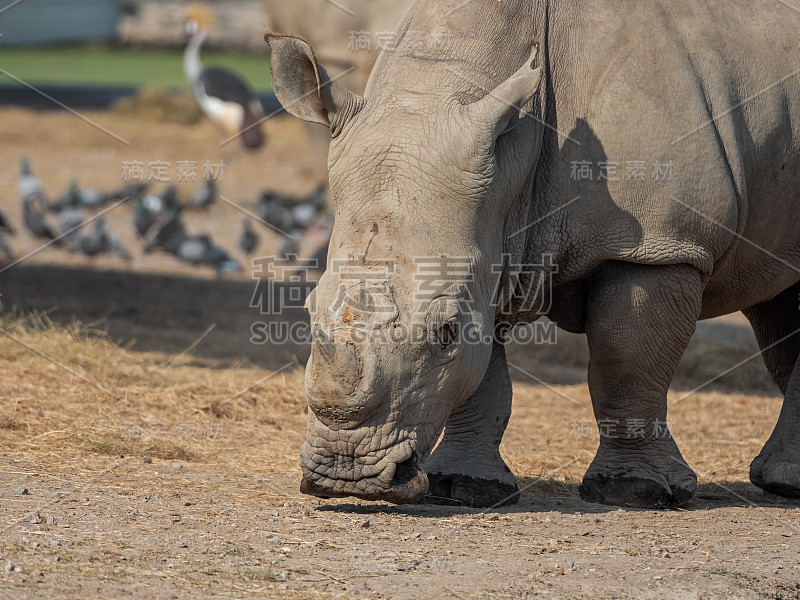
x=72, y=390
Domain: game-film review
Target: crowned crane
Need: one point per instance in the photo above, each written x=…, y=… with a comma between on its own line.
x=224, y=96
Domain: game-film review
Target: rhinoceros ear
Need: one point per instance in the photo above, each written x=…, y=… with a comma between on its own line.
x=504, y=106
x=304, y=88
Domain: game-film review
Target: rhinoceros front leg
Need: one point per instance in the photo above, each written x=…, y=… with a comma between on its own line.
x=639, y=322
x=776, y=323
x=466, y=467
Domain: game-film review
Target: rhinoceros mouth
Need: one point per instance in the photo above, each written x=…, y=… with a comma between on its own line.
x=401, y=480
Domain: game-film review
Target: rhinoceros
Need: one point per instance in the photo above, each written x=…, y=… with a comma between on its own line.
x=624, y=168
x=346, y=34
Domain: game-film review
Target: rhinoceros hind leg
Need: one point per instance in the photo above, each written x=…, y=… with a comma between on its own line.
x=639, y=322
x=777, y=327
x=466, y=468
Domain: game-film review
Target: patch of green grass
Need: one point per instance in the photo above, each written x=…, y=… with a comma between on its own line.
x=203, y=563
x=111, y=65
x=263, y=575
x=724, y=571
x=232, y=551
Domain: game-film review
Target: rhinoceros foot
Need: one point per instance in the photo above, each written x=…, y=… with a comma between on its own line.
x=463, y=490
x=635, y=492
x=616, y=479
x=777, y=473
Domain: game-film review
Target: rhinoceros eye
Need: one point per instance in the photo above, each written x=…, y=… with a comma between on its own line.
x=443, y=327
x=446, y=335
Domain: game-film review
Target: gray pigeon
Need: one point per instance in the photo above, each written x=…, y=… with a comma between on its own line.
x=28, y=184
x=149, y=209
x=204, y=196
x=305, y=213
x=143, y=218
x=168, y=235
x=200, y=250
x=71, y=198
x=285, y=213
x=248, y=239
x=271, y=209
x=290, y=246
x=92, y=198
x=33, y=214
x=131, y=191
x=214, y=256
x=6, y=250
x=5, y=224
x=70, y=221
x=101, y=241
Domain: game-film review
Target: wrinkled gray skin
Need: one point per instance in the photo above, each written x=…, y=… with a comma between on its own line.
x=430, y=162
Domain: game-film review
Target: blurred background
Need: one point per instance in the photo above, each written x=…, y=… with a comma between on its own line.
x=147, y=173
x=145, y=165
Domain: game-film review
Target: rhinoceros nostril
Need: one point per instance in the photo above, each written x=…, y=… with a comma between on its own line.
x=406, y=470
x=318, y=335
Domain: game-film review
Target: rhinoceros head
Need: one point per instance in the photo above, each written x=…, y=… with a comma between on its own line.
x=403, y=318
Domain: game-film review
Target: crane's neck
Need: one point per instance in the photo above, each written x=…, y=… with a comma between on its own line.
x=192, y=66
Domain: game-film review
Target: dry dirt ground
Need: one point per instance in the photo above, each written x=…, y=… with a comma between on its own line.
x=158, y=475
x=146, y=454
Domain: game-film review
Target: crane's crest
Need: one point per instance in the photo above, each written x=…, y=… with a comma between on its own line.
x=200, y=14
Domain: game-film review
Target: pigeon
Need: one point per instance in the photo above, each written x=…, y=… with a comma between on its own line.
x=28, y=184
x=289, y=248
x=92, y=198
x=101, y=241
x=169, y=233
x=165, y=203
x=317, y=239
x=74, y=196
x=5, y=225
x=130, y=191
x=69, y=199
x=6, y=228
x=33, y=213
x=305, y=213
x=143, y=218
x=70, y=221
x=248, y=239
x=150, y=208
x=271, y=209
x=171, y=237
x=319, y=198
x=285, y=213
x=319, y=260
x=204, y=196
x=6, y=250
x=200, y=250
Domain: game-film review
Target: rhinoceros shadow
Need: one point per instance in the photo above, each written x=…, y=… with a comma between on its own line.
x=554, y=496
x=584, y=170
